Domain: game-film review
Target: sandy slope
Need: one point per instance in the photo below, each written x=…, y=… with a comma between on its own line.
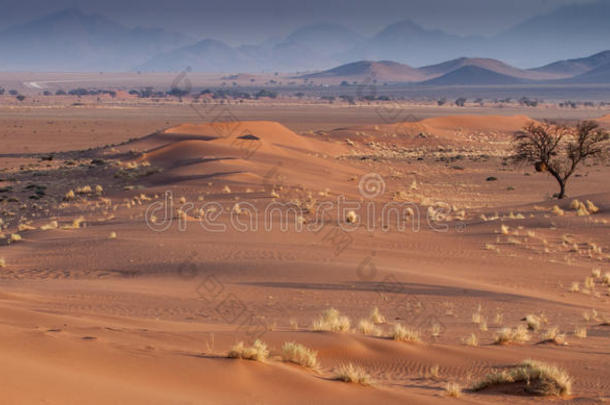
x=148, y=317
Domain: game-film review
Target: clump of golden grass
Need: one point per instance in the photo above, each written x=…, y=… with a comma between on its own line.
x=258, y=351
x=471, y=340
x=504, y=230
x=403, y=334
x=434, y=371
x=226, y=190
x=15, y=237
x=353, y=374
x=112, y=235
x=99, y=190
x=2, y=263
x=351, y=217
x=49, y=226
x=453, y=389
x=84, y=190
x=606, y=278
x=499, y=318
x=301, y=355
x=575, y=287
x=332, y=320
x=376, y=316
x=70, y=196
x=589, y=283
x=76, y=223
x=540, y=379
x=580, y=332
x=533, y=322
x=553, y=335
x=477, y=317
x=25, y=227
x=367, y=327
x=591, y=207
x=508, y=335
x=557, y=211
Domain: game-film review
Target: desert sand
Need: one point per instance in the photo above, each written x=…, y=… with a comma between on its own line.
x=113, y=293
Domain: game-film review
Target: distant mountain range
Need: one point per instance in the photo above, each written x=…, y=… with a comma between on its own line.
x=71, y=40
x=470, y=71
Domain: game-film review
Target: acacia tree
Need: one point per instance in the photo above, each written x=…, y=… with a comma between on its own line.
x=559, y=150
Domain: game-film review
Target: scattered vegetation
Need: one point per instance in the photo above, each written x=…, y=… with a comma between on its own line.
x=537, y=377
x=507, y=336
x=353, y=374
x=301, y=355
x=403, y=334
x=332, y=320
x=258, y=351
x=453, y=389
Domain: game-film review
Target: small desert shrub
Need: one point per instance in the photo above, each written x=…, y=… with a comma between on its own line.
x=596, y=273
x=402, y=334
x=471, y=340
x=2, y=263
x=353, y=374
x=477, y=317
x=553, y=335
x=332, y=320
x=589, y=283
x=351, y=217
x=580, y=332
x=575, y=287
x=557, y=211
x=606, y=278
x=258, y=351
x=507, y=335
x=434, y=371
x=367, y=327
x=539, y=378
x=112, y=235
x=533, y=322
x=453, y=390
x=499, y=318
x=376, y=316
x=301, y=355
x=51, y=225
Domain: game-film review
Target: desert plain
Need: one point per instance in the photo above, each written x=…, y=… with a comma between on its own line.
x=142, y=242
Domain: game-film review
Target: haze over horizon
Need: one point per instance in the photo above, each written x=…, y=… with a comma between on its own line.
x=289, y=36
x=239, y=22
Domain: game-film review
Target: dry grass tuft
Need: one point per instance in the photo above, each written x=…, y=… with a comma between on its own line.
x=376, y=316
x=51, y=225
x=351, y=217
x=332, y=320
x=533, y=322
x=2, y=263
x=403, y=334
x=508, y=336
x=553, y=335
x=112, y=235
x=453, y=390
x=471, y=340
x=258, y=351
x=367, y=327
x=557, y=211
x=298, y=354
x=353, y=374
x=575, y=287
x=540, y=379
x=580, y=332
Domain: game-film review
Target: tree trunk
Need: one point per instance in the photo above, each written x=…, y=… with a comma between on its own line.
x=562, y=189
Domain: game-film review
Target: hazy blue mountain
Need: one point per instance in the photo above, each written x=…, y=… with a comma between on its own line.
x=570, y=30
x=70, y=40
x=473, y=75
x=572, y=67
